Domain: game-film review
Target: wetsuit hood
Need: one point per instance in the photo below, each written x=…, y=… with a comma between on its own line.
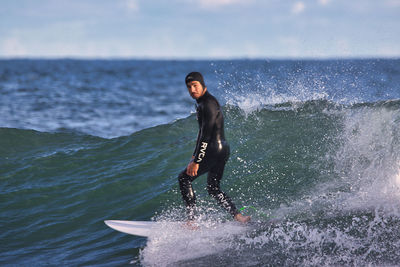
x=195, y=76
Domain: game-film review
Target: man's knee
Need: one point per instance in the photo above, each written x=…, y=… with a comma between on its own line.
x=213, y=190
x=183, y=177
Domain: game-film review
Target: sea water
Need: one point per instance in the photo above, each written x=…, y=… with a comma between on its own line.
x=314, y=148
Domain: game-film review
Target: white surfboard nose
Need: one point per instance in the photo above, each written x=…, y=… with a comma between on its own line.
x=139, y=228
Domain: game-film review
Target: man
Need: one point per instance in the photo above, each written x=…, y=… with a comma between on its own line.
x=211, y=151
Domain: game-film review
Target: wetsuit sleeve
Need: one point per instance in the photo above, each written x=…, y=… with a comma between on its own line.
x=208, y=115
x=197, y=143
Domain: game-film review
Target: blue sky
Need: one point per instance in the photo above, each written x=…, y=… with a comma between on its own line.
x=199, y=29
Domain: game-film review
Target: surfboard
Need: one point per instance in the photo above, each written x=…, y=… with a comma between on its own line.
x=146, y=228
x=139, y=228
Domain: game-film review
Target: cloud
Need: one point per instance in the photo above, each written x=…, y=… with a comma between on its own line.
x=132, y=5
x=291, y=45
x=217, y=3
x=324, y=2
x=298, y=7
x=389, y=50
x=392, y=3
x=12, y=47
x=343, y=47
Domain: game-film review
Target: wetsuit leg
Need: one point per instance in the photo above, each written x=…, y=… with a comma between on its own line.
x=213, y=187
x=188, y=195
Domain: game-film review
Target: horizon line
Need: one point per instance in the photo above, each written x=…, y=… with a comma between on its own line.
x=77, y=58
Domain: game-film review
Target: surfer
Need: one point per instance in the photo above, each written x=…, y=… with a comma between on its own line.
x=211, y=152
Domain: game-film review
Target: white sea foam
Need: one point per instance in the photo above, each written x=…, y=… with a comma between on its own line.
x=256, y=101
x=172, y=243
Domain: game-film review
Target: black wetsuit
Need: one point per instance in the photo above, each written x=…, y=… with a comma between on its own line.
x=211, y=152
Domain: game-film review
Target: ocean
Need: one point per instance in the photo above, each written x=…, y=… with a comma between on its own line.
x=315, y=160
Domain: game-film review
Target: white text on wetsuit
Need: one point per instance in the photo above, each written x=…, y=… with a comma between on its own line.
x=202, y=151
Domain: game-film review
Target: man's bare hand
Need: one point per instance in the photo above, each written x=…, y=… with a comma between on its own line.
x=192, y=168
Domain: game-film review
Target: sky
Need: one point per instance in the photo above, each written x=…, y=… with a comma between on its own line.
x=199, y=29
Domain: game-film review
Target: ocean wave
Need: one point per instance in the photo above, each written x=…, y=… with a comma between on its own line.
x=328, y=173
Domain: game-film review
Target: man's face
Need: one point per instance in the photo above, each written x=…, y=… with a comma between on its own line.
x=195, y=89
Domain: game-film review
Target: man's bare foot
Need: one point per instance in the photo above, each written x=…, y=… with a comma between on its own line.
x=241, y=218
x=191, y=225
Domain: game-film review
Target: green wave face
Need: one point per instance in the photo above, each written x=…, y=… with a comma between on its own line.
x=329, y=174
